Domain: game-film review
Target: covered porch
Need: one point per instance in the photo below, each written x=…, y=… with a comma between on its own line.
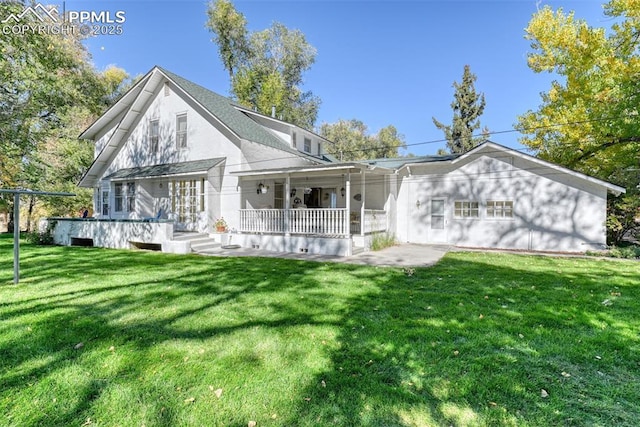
x=344, y=202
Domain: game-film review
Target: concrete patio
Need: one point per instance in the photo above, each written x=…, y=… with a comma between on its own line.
x=404, y=255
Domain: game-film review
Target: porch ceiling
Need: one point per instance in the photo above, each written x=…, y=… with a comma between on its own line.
x=317, y=170
x=169, y=169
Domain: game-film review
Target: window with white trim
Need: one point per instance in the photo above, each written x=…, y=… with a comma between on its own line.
x=131, y=196
x=307, y=145
x=105, y=202
x=500, y=209
x=154, y=135
x=119, y=197
x=125, y=197
x=466, y=209
x=181, y=130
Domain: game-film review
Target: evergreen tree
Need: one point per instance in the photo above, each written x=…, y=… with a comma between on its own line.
x=467, y=106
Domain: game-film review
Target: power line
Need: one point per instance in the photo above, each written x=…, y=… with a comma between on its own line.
x=435, y=141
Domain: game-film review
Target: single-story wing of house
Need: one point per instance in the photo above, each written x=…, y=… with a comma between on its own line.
x=173, y=159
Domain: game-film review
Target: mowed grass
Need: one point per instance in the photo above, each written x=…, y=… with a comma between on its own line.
x=126, y=338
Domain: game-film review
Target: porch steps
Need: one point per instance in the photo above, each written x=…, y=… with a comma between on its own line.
x=355, y=250
x=200, y=242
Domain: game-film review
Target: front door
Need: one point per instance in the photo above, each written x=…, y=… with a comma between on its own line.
x=185, y=204
x=437, y=221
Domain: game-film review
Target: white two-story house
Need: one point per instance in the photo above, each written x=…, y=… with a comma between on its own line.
x=173, y=157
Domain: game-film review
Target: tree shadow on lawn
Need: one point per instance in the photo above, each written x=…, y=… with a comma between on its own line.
x=467, y=342
x=470, y=342
x=168, y=301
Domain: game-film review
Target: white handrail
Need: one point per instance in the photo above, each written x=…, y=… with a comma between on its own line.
x=323, y=222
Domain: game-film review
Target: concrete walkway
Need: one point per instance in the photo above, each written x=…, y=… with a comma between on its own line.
x=404, y=255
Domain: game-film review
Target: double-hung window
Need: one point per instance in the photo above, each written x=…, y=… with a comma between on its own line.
x=154, y=135
x=307, y=145
x=105, y=202
x=181, y=130
x=466, y=209
x=131, y=196
x=119, y=197
x=500, y=209
x=125, y=197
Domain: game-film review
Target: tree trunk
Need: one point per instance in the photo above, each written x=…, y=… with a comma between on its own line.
x=32, y=203
x=10, y=223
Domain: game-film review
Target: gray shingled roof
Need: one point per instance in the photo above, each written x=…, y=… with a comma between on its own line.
x=397, y=163
x=223, y=108
x=166, y=169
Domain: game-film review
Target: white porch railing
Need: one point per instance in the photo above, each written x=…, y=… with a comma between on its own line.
x=323, y=222
x=320, y=222
x=375, y=220
x=262, y=220
x=328, y=222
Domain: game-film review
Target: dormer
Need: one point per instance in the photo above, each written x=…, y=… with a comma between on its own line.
x=306, y=142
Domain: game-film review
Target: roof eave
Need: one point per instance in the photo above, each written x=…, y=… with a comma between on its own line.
x=612, y=188
x=113, y=111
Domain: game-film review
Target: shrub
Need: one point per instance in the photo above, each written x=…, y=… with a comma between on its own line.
x=382, y=240
x=629, y=252
x=632, y=251
x=44, y=237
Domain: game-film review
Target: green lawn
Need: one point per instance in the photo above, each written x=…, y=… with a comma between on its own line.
x=122, y=338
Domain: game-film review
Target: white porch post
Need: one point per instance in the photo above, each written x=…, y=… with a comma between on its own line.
x=363, y=193
x=347, y=216
x=287, y=205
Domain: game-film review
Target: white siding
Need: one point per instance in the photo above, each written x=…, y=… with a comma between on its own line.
x=552, y=210
x=206, y=138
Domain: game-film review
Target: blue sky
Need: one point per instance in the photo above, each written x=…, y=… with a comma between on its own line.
x=382, y=62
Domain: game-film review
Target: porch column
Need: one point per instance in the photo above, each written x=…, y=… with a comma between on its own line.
x=347, y=195
x=287, y=205
x=363, y=193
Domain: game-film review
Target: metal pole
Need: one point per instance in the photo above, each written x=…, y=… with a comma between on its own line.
x=16, y=238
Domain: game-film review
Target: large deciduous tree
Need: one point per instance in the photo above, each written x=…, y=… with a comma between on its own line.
x=352, y=141
x=49, y=91
x=468, y=106
x=265, y=67
x=588, y=119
